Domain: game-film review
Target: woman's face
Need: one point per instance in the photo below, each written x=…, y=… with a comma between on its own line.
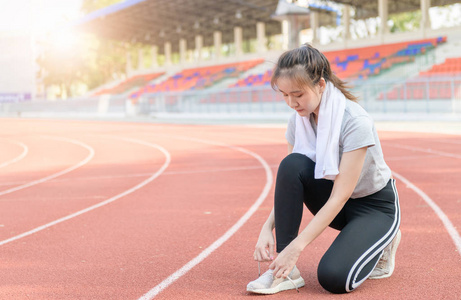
x=302, y=99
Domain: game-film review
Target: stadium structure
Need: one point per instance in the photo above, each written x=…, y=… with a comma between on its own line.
x=214, y=58
x=17, y=78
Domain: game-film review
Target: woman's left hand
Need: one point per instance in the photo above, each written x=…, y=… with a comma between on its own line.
x=285, y=261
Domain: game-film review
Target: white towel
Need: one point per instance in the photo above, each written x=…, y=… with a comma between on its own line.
x=323, y=149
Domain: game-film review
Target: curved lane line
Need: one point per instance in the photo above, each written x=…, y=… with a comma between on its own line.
x=450, y=142
x=93, y=207
x=115, y=176
x=445, y=220
x=210, y=249
x=18, y=158
x=83, y=162
x=426, y=150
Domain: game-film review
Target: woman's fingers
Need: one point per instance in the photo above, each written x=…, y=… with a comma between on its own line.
x=281, y=272
x=266, y=255
x=258, y=256
x=261, y=255
x=271, y=252
x=279, y=269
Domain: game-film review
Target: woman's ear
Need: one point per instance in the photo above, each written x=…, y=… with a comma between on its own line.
x=322, y=84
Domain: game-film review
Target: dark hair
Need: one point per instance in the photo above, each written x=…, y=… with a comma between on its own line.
x=307, y=65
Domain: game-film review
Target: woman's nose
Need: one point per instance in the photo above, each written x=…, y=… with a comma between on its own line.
x=291, y=102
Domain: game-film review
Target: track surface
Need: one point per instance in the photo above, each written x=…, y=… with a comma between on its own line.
x=107, y=210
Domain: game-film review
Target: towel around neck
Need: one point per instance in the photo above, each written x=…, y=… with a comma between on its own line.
x=323, y=148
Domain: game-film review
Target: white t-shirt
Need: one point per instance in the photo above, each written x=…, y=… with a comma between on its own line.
x=357, y=131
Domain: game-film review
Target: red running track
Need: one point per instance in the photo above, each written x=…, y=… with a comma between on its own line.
x=107, y=210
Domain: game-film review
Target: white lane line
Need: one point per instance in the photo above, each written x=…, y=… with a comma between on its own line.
x=456, y=142
x=83, y=162
x=93, y=207
x=25, y=150
x=409, y=157
x=118, y=176
x=426, y=150
x=445, y=220
x=47, y=198
x=215, y=245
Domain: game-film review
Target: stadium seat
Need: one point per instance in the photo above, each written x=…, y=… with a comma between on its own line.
x=198, y=78
x=360, y=63
x=440, y=78
x=128, y=84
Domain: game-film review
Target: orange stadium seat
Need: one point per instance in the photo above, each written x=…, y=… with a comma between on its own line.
x=441, y=85
x=198, y=78
x=362, y=62
x=128, y=84
x=348, y=64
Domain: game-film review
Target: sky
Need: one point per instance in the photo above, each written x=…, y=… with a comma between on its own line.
x=36, y=15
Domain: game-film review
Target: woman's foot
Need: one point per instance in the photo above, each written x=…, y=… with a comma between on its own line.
x=267, y=284
x=386, y=263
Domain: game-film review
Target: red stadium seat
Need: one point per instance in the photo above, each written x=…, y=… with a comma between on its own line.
x=440, y=84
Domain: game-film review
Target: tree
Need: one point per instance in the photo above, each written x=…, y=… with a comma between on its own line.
x=92, y=5
x=88, y=60
x=407, y=21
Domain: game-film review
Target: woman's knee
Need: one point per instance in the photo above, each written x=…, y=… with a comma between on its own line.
x=295, y=163
x=332, y=277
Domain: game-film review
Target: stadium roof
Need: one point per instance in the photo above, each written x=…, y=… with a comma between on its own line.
x=369, y=8
x=158, y=21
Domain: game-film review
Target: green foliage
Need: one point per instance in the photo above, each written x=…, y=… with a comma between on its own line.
x=106, y=62
x=92, y=5
x=408, y=21
x=61, y=67
x=90, y=62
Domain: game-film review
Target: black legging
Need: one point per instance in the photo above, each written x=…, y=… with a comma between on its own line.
x=367, y=224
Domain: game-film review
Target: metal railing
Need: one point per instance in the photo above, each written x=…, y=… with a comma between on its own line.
x=429, y=95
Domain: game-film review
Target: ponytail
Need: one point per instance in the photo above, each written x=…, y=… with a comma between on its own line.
x=307, y=65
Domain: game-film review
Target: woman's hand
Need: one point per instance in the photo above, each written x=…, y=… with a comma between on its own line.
x=286, y=260
x=264, y=250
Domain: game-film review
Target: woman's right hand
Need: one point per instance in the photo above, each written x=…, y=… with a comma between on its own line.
x=264, y=250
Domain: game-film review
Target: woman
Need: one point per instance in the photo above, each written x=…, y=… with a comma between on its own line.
x=336, y=168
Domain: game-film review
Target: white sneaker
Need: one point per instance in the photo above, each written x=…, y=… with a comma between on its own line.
x=266, y=284
x=386, y=263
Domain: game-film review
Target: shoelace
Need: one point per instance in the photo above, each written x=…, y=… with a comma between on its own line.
x=288, y=277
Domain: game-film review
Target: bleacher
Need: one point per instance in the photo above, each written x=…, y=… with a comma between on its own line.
x=369, y=61
x=360, y=63
x=442, y=81
x=254, y=80
x=198, y=78
x=348, y=64
x=129, y=84
x=450, y=67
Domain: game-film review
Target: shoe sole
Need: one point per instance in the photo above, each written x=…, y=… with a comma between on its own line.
x=283, y=286
x=398, y=237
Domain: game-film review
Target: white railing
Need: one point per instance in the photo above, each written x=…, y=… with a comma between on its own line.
x=430, y=95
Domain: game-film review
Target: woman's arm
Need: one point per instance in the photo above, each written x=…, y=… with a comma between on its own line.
x=264, y=250
x=345, y=182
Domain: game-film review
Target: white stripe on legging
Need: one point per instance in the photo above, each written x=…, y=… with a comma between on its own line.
x=361, y=263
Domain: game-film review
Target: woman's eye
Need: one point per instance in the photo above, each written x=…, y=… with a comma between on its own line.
x=299, y=96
